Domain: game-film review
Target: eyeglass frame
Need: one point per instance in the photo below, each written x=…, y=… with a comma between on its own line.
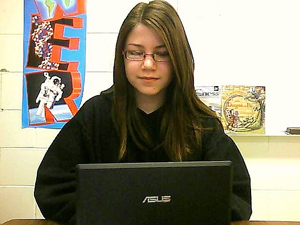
x=154, y=55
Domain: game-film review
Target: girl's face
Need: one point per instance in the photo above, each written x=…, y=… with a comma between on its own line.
x=148, y=77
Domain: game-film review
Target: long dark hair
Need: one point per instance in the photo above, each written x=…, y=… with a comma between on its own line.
x=180, y=128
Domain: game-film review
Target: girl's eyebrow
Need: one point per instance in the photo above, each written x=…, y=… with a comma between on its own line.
x=141, y=46
x=135, y=45
x=161, y=46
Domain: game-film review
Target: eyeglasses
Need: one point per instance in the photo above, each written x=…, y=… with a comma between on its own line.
x=140, y=56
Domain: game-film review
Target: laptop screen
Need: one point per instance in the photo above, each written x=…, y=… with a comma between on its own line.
x=154, y=193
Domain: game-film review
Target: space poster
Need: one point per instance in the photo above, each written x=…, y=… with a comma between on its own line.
x=54, y=55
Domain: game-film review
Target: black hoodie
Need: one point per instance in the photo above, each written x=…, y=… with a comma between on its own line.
x=90, y=137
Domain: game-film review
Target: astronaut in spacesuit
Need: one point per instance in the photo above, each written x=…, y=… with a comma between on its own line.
x=51, y=92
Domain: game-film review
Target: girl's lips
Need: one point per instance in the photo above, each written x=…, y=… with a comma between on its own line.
x=148, y=78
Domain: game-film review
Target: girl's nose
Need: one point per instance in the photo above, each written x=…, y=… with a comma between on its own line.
x=149, y=62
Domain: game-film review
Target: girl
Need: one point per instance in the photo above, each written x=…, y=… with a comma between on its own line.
x=150, y=114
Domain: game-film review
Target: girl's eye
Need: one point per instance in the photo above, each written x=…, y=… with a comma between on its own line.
x=135, y=53
x=162, y=54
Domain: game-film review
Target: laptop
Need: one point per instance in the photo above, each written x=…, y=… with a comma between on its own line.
x=168, y=193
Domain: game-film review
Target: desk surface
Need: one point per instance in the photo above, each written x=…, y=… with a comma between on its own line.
x=45, y=222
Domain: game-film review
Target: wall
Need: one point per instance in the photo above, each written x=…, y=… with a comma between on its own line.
x=273, y=161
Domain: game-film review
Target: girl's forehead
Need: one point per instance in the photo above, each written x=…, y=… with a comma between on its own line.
x=144, y=36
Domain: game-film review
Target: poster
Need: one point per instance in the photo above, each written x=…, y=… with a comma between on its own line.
x=54, y=56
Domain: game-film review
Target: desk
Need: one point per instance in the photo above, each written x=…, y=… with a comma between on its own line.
x=45, y=222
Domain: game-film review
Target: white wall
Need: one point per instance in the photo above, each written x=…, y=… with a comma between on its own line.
x=234, y=42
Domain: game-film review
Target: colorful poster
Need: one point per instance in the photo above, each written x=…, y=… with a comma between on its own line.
x=54, y=56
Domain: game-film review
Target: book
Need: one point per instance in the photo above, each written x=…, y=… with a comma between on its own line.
x=240, y=108
x=243, y=109
x=210, y=96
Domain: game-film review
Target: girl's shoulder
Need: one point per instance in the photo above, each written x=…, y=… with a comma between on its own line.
x=98, y=106
x=210, y=122
x=101, y=101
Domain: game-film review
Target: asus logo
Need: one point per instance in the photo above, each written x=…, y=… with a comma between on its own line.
x=157, y=199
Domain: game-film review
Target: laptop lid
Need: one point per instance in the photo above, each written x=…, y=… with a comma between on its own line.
x=154, y=193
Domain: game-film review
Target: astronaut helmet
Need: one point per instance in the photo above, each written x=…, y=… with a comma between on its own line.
x=56, y=80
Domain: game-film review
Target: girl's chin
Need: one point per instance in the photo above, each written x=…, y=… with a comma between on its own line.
x=149, y=93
